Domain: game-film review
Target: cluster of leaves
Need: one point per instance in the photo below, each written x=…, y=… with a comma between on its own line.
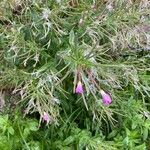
x=46, y=47
x=17, y=133
x=22, y=133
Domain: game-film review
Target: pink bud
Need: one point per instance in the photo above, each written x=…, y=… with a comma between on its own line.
x=46, y=117
x=79, y=88
x=106, y=98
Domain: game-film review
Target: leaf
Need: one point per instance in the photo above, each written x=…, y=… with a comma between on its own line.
x=112, y=134
x=26, y=132
x=11, y=130
x=145, y=134
x=134, y=125
x=141, y=147
x=33, y=126
x=147, y=124
x=72, y=38
x=126, y=140
x=34, y=145
x=69, y=140
x=128, y=132
x=3, y=120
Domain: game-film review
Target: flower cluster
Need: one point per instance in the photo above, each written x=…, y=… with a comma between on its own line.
x=106, y=98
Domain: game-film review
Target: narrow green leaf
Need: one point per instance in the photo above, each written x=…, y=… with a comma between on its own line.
x=72, y=38
x=145, y=134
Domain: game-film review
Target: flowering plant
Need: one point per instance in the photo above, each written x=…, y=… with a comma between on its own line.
x=78, y=63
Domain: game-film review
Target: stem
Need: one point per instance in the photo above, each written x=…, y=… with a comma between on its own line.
x=90, y=75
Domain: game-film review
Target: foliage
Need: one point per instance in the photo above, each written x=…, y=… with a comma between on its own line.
x=48, y=47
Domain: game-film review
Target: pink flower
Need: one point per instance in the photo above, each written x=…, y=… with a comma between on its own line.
x=106, y=98
x=79, y=88
x=46, y=117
